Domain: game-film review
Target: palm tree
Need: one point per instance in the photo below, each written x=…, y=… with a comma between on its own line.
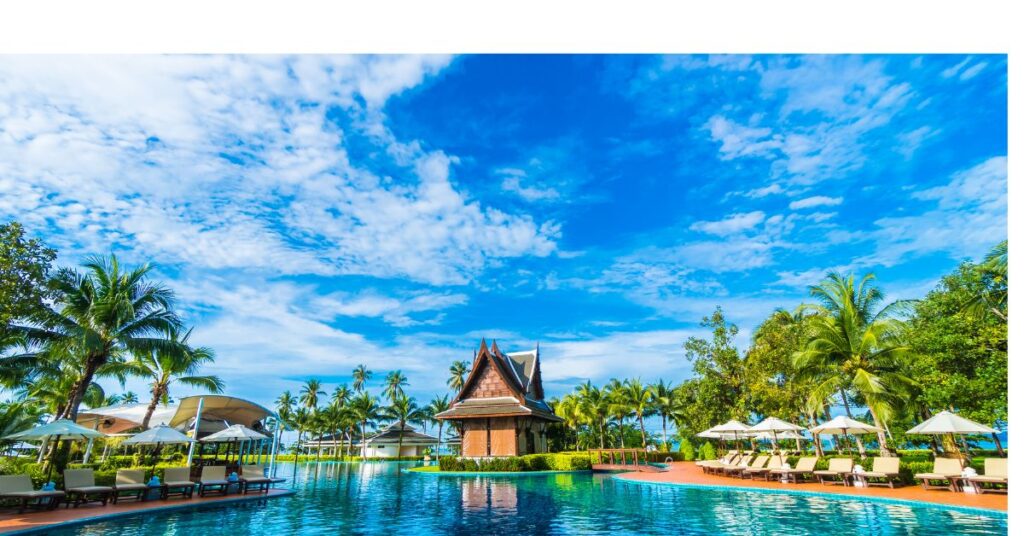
x=365, y=409
x=341, y=395
x=568, y=408
x=393, y=385
x=663, y=398
x=311, y=392
x=360, y=375
x=285, y=408
x=402, y=409
x=457, y=376
x=639, y=399
x=855, y=347
x=99, y=317
x=995, y=268
x=128, y=397
x=593, y=405
x=302, y=420
x=618, y=407
x=177, y=364
x=437, y=405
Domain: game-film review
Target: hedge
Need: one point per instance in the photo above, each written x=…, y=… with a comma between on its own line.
x=529, y=462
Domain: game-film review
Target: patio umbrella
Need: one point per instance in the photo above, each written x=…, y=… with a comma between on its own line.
x=844, y=425
x=160, y=435
x=947, y=422
x=61, y=429
x=773, y=426
x=732, y=429
x=234, y=433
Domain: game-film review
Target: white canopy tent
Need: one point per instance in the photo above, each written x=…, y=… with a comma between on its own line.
x=949, y=423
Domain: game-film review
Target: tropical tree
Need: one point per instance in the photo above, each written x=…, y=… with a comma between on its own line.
x=24, y=272
x=664, y=402
x=341, y=395
x=99, y=317
x=437, y=405
x=179, y=363
x=855, y=345
x=457, y=375
x=366, y=409
x=991, y=299
x=401, y=410
x=593, y=408
x=639, y=399
x=618, y=407
x=310, y=393
x=393, y=385
x=360, y=375
x=285, y=412
x=568, y=408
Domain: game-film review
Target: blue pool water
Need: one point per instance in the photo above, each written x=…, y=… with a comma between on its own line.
x=378, y=498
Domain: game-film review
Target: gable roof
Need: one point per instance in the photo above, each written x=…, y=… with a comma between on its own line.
x=521, y=373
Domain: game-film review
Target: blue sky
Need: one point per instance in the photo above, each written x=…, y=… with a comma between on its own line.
x=317, y=212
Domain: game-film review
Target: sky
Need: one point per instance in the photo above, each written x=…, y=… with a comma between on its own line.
x=317, y=212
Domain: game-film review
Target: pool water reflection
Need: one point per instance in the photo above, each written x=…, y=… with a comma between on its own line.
x=376, y=498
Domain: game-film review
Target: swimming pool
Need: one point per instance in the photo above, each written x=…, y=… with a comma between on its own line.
x=377, y=498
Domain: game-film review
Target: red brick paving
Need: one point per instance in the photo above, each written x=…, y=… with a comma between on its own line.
x=689, y=473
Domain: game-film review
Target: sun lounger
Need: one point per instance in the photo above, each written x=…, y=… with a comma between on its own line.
x=774, y=462
x=130, y=482
x=80, y=487
x=885, y=471
x=713, y=465
x=995, y=475
x=177, y=482
x=838, y=471
x=252, y=477
x=804, y=468
x=213, y=478
x=19, y=488
x=731, y=469
x=945, y=472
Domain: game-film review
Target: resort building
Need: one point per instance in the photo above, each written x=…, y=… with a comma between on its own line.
x=385, y=443
x=500, y=410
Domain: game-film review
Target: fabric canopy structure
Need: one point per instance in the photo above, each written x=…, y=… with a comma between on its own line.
x=64, y=429
x=117, y=419
x=843, y=425
x=772, y=424
x=947, y=422
x=160, y=435
x=235, y=432
x=788, y=434
x=731, y=430
x=710, y=434
x=227, y=408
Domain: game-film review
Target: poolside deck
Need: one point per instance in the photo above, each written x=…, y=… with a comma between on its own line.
x=32, y=521
x=689, y=473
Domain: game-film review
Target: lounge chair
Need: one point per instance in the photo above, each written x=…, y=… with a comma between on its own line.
x=737, y=467
x=20, y=489
x=712, y=466
x=774, y=462
x=885, y=471
x=130, y=482
x=214, y=478
x=804, y=468
x=253, y=477
x=839, y=469
x=945, y=472
x=80, y=487
x=995, y=474
x=176, y=482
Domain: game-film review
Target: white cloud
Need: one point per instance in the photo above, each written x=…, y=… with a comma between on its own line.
x=965, y=73
x=515, y=185
x=396, y=310
x=739, y=140
x=230, y=162
x=732, y=224
x=816, y=201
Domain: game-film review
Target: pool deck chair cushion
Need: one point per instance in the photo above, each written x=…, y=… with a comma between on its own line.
x=838, y=471
x=995, y=476
x=19, y=488
x=885, y=471
x=719, y=466
x=80, y=487
x=804, y=469
x=774, y=462
x=213, y=477
x=728, y=459
x=252, y=477
x=757, y=463
x=130, y=483
x=176, y=482
x=737, y=467
x=944, y=475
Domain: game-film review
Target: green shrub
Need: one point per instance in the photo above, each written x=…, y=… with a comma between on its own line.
x=686, y=450
x=529, y=462
x=707, y=451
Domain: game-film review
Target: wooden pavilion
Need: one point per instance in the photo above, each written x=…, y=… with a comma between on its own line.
x=500, y=410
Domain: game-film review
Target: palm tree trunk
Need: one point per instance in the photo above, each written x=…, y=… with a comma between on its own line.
x=882, y=445
x=622, y=435
x=999, y=446
x=157, y=391
x=440, y=425
x=643, y=433
x=78, y=389
x=664, y=431
x=846, y=404
x=401, y=436
x=363, y=448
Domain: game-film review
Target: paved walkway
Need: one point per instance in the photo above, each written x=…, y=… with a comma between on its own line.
x=689, y=473
x=33, y=520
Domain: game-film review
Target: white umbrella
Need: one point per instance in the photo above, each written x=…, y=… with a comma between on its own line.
x=710, y=434
x=235, y=432
x=947, y=422
x=732, y=429
x=159, y=435
x=61, y=429
x=775, y=425
x=844, y=425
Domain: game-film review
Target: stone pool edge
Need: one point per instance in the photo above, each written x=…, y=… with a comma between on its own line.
x=990, y=512
x=107, y=516
x=495, y=473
